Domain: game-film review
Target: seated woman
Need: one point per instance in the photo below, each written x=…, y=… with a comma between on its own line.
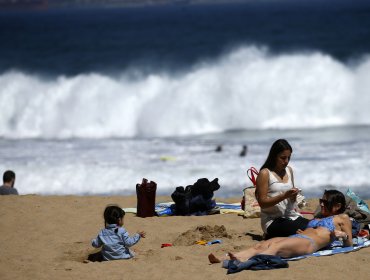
x=276, y=193
x=319, y=233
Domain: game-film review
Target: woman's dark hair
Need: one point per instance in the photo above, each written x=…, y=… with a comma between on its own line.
x=333, y=197
x=112, y=214
x=277, y=147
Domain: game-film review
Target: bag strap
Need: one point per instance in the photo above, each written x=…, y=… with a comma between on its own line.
x=291, y=175
x=252, y=175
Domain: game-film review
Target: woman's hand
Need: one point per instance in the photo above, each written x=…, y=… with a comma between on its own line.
x=345, y=225
x=292, y=193
x=340, y=234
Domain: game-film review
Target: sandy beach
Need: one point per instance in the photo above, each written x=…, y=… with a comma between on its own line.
x=48, y=237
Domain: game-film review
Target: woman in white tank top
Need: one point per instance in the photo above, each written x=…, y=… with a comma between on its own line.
x=276, y=193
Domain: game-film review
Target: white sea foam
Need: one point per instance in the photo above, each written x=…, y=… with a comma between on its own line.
x=322, y=157
x=245, y=89
x=245, y=97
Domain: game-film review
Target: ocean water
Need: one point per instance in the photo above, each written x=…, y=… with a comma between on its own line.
x=93, y=100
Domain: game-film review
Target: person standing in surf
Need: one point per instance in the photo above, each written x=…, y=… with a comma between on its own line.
x=276, y=193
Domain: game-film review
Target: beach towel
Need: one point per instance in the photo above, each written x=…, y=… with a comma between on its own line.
x=230, y=208
x=335, y=248
x=163, y=208
x=167, y=208
x=132, y=210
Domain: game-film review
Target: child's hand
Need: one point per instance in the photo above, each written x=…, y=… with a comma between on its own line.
x=142, y=234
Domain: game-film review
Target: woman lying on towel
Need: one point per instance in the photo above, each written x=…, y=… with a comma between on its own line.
x=318, y=234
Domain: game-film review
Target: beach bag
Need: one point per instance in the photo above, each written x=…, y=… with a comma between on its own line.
x=181, y=196
x=145, y=193
x=195, y=199
x=249, y=202
x=361, y=204
x=252, y=175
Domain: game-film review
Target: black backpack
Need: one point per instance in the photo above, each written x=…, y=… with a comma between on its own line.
x=196, y=198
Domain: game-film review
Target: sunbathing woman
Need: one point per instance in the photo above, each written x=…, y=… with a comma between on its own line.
x=319, y=233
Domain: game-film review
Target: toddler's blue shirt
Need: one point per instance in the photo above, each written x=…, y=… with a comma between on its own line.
x=115, y=244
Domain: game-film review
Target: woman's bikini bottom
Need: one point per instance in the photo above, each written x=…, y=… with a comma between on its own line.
x=305, y=237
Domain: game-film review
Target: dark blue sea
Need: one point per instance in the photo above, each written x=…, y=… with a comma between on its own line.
x=175, y=37
x=94, y=99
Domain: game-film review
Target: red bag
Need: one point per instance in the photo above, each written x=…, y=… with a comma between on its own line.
x=252, y=175
x=145, y=193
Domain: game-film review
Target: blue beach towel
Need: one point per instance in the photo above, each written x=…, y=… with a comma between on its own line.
x=166, y=208
x=358, y=244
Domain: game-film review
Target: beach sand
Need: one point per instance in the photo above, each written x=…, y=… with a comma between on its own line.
x=49, y=237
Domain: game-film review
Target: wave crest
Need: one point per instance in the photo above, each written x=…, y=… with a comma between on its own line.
x=245, y=89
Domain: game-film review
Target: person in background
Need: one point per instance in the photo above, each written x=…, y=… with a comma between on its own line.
x=276, y=193
x=114, y=239
x=318, y=234
x=218, y=148
x=8, y=183
x=244, y=151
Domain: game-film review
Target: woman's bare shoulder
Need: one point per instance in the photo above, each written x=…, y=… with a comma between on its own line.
x=342, y=217
x=264, y=172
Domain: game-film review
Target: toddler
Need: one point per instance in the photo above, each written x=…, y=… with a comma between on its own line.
x=114, y=238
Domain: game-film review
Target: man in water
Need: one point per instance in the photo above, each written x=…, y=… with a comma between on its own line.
x=244, y=151
x=8, y=183
x=218, y=148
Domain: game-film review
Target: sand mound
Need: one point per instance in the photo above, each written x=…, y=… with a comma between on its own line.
x=206, y=233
